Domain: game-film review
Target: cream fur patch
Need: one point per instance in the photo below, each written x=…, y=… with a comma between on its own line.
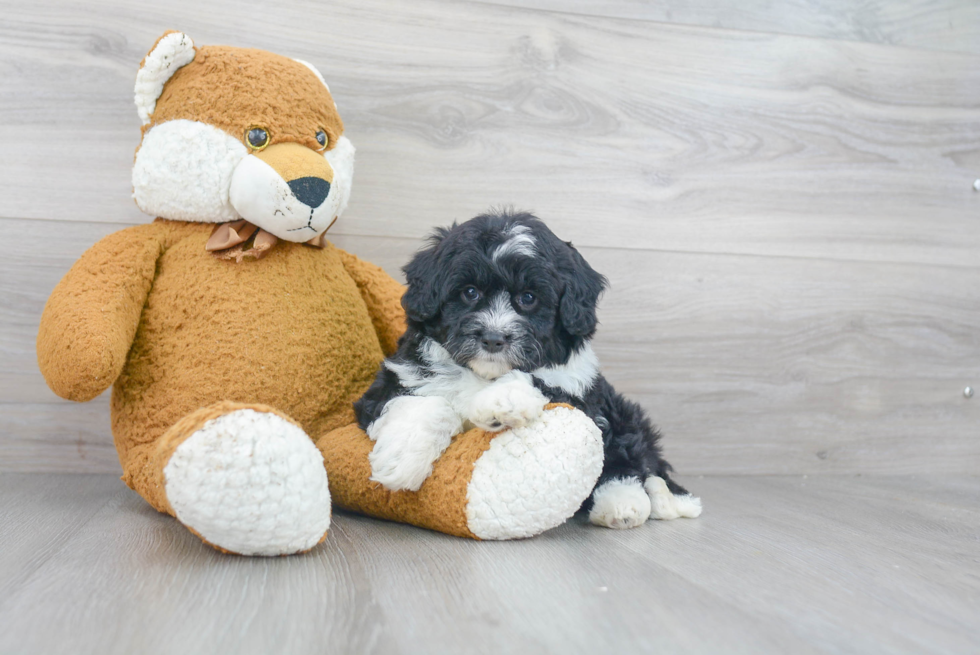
x=341, y=159
x=445, y=378
x=251, y=483
x=187, y=171
x=576, y=376
x=260, y=195
x=520, y=242
x=533, y=478
x=169, y=54
x=183, y=171
x=511, y=401
x=490, y=366
x=499, y=316
x=688, y=506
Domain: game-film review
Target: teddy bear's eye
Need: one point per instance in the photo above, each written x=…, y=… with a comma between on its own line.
x=321, y=138
x=256, y=137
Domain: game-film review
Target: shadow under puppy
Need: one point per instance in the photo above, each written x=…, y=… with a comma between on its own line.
x=500, y=315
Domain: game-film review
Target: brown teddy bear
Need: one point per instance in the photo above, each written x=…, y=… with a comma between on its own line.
x=236, y=337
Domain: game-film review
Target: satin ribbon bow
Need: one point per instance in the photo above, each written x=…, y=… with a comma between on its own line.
x=231, y=240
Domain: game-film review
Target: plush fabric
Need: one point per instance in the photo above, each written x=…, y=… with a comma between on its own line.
x=234, y=89
x=291, y=330
x=444, y=502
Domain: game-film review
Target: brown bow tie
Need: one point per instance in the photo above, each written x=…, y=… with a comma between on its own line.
x=240, y=239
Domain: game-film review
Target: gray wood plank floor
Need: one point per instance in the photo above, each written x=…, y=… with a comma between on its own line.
x=827, y=564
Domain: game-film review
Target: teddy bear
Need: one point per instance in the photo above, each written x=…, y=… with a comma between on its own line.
x=236, y=337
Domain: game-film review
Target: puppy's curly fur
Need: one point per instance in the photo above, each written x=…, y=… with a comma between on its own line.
x=500, y=316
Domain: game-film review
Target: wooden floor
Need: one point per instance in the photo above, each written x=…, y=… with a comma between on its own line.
x=777, y=564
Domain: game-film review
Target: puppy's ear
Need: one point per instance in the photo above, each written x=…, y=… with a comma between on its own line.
x=426, y=281
x=583, y=286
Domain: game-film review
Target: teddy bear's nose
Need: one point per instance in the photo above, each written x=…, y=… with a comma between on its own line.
x=311, y=191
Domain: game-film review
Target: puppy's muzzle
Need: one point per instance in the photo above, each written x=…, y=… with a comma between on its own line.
x=494, y=342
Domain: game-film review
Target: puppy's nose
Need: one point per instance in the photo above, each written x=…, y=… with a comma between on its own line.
x=493, y=342
x=311, y=191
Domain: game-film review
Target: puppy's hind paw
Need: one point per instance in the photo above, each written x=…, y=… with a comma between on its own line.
x=666, y=506
x=620, y=504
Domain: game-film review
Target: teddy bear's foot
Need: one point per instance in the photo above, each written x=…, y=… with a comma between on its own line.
x=250, y=482
x=535, y=477
x=486, y=485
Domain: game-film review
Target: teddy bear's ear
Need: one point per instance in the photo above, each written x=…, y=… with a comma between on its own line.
x=171, y=51
x=315, y=71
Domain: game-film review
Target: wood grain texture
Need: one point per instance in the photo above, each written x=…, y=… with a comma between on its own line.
x=749, y=364
x=775, y=565
x=626, y=132
x=39, y=516
x=951, y=25
x=787, y=221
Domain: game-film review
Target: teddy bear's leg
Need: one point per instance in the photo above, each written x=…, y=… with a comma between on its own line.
x=486, y=485
x=244, y=478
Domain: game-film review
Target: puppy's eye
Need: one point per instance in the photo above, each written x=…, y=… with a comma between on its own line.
x=256, y=137
x=471, y=294
x=527, y=300
x=321, y=138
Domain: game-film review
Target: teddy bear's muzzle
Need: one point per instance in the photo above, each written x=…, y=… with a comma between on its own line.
x=311, y=191
x=285, y=189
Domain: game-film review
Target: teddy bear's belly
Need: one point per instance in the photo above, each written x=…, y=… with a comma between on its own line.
x=290, y=331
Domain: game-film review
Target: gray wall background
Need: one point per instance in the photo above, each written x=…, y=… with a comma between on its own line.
x=781, y=195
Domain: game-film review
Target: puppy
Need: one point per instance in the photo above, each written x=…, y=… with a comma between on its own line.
x=500, y=316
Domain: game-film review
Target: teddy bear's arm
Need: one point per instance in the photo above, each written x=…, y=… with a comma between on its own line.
x=382, y=295
x=89, y=322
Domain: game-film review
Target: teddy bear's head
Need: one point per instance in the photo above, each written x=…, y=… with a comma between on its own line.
x=234, y=133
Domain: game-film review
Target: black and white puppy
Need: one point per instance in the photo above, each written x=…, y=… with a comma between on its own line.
x=500, y=316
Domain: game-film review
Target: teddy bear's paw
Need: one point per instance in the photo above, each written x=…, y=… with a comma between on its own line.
x=251, y=483
x=666, y=506
x=620, y=504
x=533, y=478
x=511, y=401
x=411, y=433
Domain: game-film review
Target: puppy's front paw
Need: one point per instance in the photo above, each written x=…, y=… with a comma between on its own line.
x=395, y=465
x=620, y=504
x=510, y=402
x=409, y=436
